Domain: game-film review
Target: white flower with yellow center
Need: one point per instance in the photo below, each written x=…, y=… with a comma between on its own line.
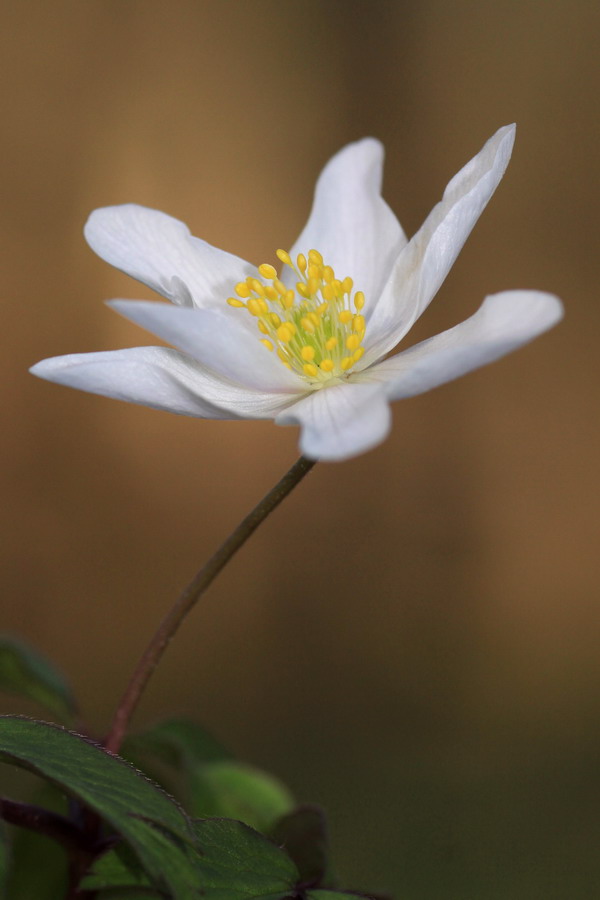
x=306, y=346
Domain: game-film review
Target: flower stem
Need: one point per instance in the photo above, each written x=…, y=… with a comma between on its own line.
x=191, y=594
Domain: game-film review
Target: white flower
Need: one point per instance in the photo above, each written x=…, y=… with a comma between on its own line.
x=307, y=347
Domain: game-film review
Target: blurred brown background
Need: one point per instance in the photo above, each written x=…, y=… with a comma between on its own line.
x=412, y=640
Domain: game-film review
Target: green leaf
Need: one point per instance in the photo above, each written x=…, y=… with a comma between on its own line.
x=25, y=672
x=303, y=834
x=180, y=743
x=118, y=868
x=217, y=785
x=238, y=791
x=147, y=818
x=238, y=863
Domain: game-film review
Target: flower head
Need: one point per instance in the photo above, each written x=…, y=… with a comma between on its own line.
x=306, y=345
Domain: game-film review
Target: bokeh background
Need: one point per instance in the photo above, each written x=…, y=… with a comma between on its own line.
x=412, y=640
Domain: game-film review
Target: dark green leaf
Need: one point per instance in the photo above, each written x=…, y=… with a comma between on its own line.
x=303, y=834
x=150, y=821
x=25, y=672
x=238, y=791
x=179, y=742
x=118, y=868
x=238, y=863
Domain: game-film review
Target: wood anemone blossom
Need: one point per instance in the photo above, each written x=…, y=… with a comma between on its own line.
x=309, y=345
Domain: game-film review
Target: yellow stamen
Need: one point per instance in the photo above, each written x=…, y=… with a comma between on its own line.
x=310, y=325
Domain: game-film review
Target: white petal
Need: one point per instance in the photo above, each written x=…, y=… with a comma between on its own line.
x=155, y=248
x=217, y=340
x=340, y=421
x=428, y=257
x=161, y=378
x=503, y=322
x=350, y=223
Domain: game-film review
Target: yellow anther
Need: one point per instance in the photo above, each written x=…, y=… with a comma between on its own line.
x=347, y=284
x=313, y=285
x=257, y=306
x=242, y=289
x=301, y=259
x=282, y=355
x=346, y=363
x=262, y=327
x=359, y=300
x=274, y=320
x=271, y=293
x=285, y=257
x=337, y=287
x=331, y=343
x=257, y=287
x=307, y=353
x=289, y=299
x=328, y=274
x=309, y=369
x=352, y=342
x=327, y=365
x=315, y=257
x=284, y=333
x=314, y=271
x=322, y=309
x=314, y=319
x=345, y=316
x=267, y=271
x=280, y=286
x=358, y=323
x=328, y=292
x=303, y=290
x=233, y=301
x=291, y=327
x=358, y=354
x=307, y=325
x=267, y=343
